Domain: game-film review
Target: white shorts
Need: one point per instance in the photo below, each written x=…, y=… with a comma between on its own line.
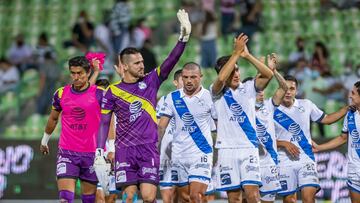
x=295, y=177
x=353, y=181
x=212, y=185
x=237, y=167
x=191, y=169
x=165, y=174
x=270, y=182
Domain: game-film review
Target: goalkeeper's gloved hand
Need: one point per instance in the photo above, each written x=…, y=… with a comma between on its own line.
x=185, y=25
x=102, y=169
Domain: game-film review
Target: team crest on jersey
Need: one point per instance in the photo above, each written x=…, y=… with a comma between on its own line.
x=242, y=90
x=355, y=135
x=301, y=109
x=142, y=85
x=135, y=110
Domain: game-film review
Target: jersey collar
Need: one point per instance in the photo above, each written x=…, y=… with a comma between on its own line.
x=198, y=95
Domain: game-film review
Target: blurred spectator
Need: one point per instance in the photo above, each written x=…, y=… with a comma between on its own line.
x=49, y=73
x=349, y=78
x=82, y=33
x=319, y=99
x=20, y=53
x=196, y=16
x=320, y=58
x=9, y=76
x=119, y=24
x=43, y=47
x=299, y=53
x=301, y=72
x=136, y=38
x=145, y=29
x=148, y=56
x=250, y=13
x=227, y=9
x=334, y=88
x=208, y=40
x=103, y=43
x=208, y=5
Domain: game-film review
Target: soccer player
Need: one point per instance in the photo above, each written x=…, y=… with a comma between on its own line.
x=265, y=130
x=79, y=105
x=296, y=159
x=238, y=156
x=192, y=152
x=133, y=102
x=350, y=134
x=166, y=187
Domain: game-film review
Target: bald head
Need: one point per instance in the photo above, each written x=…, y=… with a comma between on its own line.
x=192, y=66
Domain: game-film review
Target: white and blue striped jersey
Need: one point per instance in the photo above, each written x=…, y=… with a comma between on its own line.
x=265, y=129
x=193, y=120
x=352, y=118
x=236, y=116
x=293, y=125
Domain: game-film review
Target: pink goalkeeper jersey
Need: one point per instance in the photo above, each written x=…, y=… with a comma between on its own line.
x=80, y=117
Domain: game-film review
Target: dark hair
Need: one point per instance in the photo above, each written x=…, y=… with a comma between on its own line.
x=102, y=83
x=357, y=85
x=43, y=36
x=80, y=61
x=4, y=60
x=128, y=51
x=191, y=65
x=291, y=78
x=247, y=79
x=324, y=49
x=220, y=62
x=177, y=74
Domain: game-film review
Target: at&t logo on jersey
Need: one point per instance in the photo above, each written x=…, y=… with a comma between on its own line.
x=237, y=110
x=295, y=130
x=355, y=135
x=188, y=120
x=135, y=110
x=261, y=133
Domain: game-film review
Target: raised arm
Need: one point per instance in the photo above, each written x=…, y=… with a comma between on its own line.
x=265, y=73
x=174, y=56
x=94, y=76
x=225, y=72
x=280, y=92
x=332, y=144
x=333, y=117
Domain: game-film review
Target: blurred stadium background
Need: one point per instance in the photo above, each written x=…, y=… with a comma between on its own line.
x=276, y=27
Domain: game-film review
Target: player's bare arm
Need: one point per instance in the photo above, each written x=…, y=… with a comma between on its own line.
x=332, y=144
x=225, y=72
x=273, y=63
x=49, y=129
x=333, y=117
x=265, y=72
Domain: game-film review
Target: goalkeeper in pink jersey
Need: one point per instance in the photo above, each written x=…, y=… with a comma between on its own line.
x=79, y=104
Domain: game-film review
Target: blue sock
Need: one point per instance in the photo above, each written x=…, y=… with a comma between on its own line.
x=88, y=198
x=66, y=195
x=135, y=197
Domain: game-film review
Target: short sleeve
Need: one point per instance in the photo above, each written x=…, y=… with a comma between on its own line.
x=345, y=125
x=108, y=101
x=56, y=99
x=215, y=97
x=270, y=104
x=316, y=114
x=250, y=88
x=167, y=109
x=159, y=105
